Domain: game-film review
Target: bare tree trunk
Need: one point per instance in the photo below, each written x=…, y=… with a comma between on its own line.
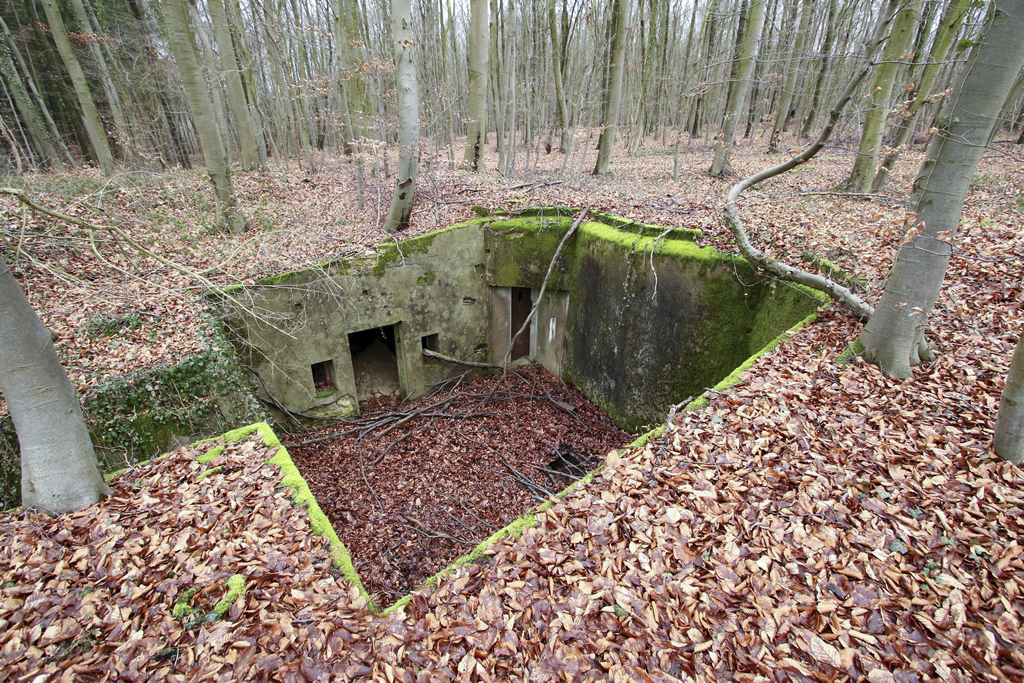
x=247, y=144
x=476, y=129
x=122, y=134
x=1009, y=435
x=90, y=116
x=950, y=24
x=894, y=336
x=825, y=58
x=863, y=171
x=408, y=116
x=619, y=31
x=791, y=71
x=738, y=92
x=179, y=38
x=58, y=465
x=30, y=117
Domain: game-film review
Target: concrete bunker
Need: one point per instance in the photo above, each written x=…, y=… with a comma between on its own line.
x=638, y=317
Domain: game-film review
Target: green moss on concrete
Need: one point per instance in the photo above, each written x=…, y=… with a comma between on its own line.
x=301, y=495
x=426, y=279
x=646, y=229
x=393, y=252
x=208, y=456
x=639, y=243
x=318, y=522
x=734, y=377
x=781, y=301
x=522, y=248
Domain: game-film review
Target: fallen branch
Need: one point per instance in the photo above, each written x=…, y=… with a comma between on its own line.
x=782, y=270
x=433, y=533
x=468, y=363
x=127, y=239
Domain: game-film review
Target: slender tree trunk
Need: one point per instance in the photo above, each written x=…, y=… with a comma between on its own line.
x=792, y=70
x=619, y=31
x=1009, y=435
x=863, y=171
x=476, y=128
x=825, y=57
x=30, y=117
x=950, y=24
x=738, y=92
x=90, y=116
x=561, y=104
x=247, y=144
x=894, y=336
x=408, y=115
x=179, y=38
x=58, y=465
x=122, y=134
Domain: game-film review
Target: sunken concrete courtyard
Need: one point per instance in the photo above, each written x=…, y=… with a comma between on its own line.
x=638, y=317
x=622, y=320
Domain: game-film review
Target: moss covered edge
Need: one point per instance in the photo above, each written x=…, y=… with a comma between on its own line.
x=301, y=495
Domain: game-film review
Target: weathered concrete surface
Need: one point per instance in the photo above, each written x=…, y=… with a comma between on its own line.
x=431, y=285
x=636, y=318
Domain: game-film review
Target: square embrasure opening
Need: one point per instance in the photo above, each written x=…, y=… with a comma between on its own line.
x=430, y=343
x=323, y=378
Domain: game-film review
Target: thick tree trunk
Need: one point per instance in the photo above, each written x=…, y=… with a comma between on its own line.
x=58, y=465
x=1009, y=437
x=619, y=30
x=408, y=116
x=894, y=336
x=90, y=116
x=179, y=38
x=738, y=92
x=476, y=128
x=863, y=171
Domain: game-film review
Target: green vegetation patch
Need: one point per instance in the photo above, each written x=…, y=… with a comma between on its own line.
x=137, y=416
x=141, y=414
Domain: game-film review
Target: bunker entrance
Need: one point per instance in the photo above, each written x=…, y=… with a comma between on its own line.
x=375, y=363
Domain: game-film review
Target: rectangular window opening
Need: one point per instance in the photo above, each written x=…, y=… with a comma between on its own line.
x=430, y=343
x=323, y=377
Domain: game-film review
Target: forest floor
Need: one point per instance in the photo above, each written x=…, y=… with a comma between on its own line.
x=818, y=521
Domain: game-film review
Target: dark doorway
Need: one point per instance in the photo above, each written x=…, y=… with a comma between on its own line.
x=522, y=304
x=374, y=362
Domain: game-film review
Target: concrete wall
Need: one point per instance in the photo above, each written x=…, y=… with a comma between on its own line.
x=431, y=285
x=637, y=323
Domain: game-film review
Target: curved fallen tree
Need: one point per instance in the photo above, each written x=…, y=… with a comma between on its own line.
x=781, y=270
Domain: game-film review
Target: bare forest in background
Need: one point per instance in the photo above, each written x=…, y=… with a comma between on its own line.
x=97, y=82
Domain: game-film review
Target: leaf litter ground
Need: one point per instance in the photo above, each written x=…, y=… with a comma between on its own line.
x=415, y=486
x=816, y=522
